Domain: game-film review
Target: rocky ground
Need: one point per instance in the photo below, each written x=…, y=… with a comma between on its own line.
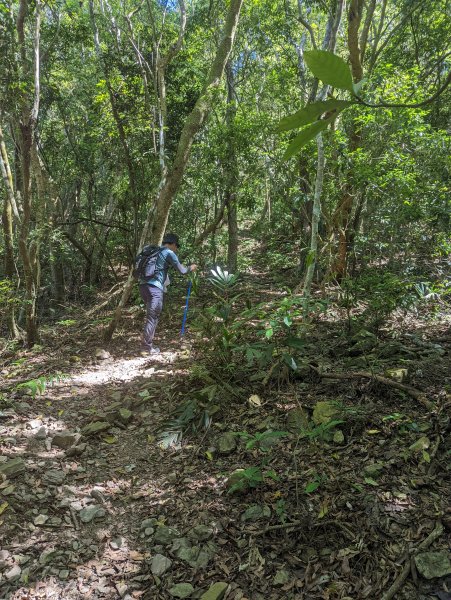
x=96, y=503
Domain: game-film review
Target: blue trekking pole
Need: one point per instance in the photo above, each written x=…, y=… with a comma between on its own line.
x=185, y=314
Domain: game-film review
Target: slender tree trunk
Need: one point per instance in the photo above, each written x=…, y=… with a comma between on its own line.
x=29, y=251
x=157, y=218
x=231, y=174
x=343, y=214
x=316, y=215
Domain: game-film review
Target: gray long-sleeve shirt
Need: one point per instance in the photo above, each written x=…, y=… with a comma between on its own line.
x=166, y=258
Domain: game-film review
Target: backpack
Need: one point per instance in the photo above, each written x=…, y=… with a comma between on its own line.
x=145, y=262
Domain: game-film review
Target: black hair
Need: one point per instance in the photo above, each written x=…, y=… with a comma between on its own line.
x=171, y=238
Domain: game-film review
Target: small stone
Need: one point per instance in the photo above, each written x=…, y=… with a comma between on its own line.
x=201, y=533
x=165, y=535
x=95, y=427
x=237, y=478
x=102, y=354
x=76, y=450
x=54, y=477
x=281, y=577
x=41, y=434
x=324, y=412
x=172, y=478
x=215, y=591
x=227, y=442
x=433, y=564
x=339, y=437
x=13, y=573
x=160, y=564
x=65, y=439
x=13, y=467
x=181, y=590
x=40, y=519
x=148, y=523
x=91, y=512
x=63, y=574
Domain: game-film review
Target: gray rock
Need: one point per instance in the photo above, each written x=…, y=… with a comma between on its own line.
x=215, y=591
x=433, y=564
x=324, y=412
x=160, y=564
x=201, y=533
x=148, y=523
x=227, y=443
x=54, y=477
x=96, y=427
x=197, y=556
x=165, y=535
x=91, y=512
x=102, y=354
x=65, y=439
x=41, y=434
x=13, y=573
x=76, y=450
x=181, y=590
x=63, y=574
x=12, y=468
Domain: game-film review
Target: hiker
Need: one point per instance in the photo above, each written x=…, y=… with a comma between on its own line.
x=153, y=288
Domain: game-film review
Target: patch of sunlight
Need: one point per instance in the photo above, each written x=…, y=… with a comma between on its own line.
x=120, y=370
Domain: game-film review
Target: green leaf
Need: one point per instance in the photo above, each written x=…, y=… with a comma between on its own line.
x=311, y=113
x=305, y=136
x=329, y=68
x=370, y=481
x=295, y=342
x=312, y=486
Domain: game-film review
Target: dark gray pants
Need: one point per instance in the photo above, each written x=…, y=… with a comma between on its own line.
x=153, y=299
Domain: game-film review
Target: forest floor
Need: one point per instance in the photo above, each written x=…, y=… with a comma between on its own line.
x=95, y=503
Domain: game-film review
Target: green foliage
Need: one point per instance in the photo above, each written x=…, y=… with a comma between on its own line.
x=261, y=441
x=330, y=69
x=252, y=477
x=323, y=432
x=37, y=387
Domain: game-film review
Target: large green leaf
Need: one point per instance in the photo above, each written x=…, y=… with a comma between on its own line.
x=311, y=113
x=307, y=134
x=329, y=68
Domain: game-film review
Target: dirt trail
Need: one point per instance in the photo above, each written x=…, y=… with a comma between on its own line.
x=93, y=507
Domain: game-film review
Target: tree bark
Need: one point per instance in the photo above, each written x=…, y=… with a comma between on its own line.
x=231, y=174
x=157, y=217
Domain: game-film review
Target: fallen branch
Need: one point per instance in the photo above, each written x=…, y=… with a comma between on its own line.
x=303, y=525
x=413, y=392
x=399, y=581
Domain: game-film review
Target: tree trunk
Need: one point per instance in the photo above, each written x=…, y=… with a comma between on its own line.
x=158, y=216
x=343, y=213
x=231, y=174
x=316, y=215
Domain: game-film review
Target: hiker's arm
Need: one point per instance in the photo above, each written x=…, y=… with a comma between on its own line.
x=174, y=262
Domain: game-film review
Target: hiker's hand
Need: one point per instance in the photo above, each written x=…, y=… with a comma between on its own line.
x=193, y=268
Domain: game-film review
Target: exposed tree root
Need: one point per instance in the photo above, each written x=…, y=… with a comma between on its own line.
x=399, y=581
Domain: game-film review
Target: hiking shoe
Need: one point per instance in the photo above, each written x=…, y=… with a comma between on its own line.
x=147, y=351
